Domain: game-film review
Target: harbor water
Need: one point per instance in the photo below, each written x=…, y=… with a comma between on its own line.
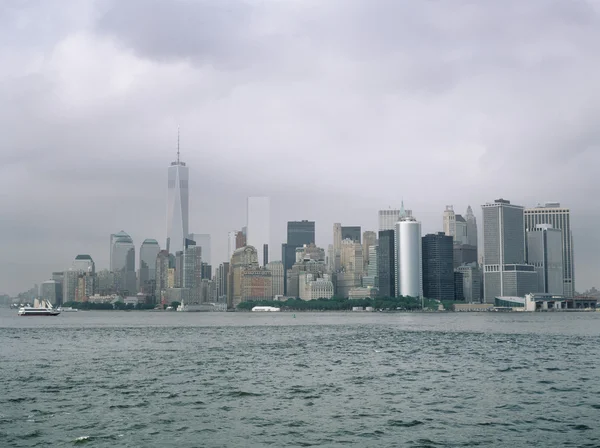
x=161, y=379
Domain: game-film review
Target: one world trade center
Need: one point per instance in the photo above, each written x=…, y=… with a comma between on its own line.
x=177, y=204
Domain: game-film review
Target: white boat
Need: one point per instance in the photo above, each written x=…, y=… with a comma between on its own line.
x=266, y=308
x=67, y=309
x=39, y=308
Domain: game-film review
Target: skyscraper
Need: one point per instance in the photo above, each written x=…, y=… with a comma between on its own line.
x=386, y=264
x=471, y=227
x=544, y=251
x=258, y=232
x=277, y=277
x=177, y=204
x=389, y=218
x=408, y=258
x=231, y=244
x=351, y=233
x=559, y=218
x=147, y=269
x=113, y=238
x=202, y=240
x=505, y=272
x=369, y=239
x=162, y=275
x=299, y=233
x=450, y=221
x=337, y=246
x=123, y=264
x=438, y=269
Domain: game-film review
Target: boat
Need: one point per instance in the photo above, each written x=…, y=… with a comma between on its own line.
x=67, y=309
x=265, y=309
x=39, y=308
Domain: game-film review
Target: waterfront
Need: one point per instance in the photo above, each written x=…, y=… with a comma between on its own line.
x=322, y=379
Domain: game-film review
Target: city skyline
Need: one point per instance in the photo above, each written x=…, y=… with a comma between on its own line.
x=92, y=103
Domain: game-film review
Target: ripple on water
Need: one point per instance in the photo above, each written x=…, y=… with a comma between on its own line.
x=404, y=381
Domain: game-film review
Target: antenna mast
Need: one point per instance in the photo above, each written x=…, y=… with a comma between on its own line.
x=177, y=144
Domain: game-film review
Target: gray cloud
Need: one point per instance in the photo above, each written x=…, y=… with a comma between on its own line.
x=335, y=109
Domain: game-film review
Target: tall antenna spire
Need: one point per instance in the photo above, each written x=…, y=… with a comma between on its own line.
x=177, y=144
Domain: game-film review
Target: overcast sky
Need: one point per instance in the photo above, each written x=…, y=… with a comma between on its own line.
x=334, y=108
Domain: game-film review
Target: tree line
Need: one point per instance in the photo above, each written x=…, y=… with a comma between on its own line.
x=343, y=304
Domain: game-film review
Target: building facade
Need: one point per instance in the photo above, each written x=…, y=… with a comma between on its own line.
x=313, y=288
x=257, y=284
x=545, y=253
x=471, y=282
x=351, y=233
x=559, y=218
x=504, y=271
x=277, y=277
x=438, y=266
x=386, y=263
x=242, y=259
x=408, y=258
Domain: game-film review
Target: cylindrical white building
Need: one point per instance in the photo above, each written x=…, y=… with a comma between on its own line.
x=409, y=274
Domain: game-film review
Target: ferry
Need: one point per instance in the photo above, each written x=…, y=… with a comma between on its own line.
x=39, y=308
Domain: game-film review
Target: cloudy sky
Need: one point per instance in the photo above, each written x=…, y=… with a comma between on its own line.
x=334, y=108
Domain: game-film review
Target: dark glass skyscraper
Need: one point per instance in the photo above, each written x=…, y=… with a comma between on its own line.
x=351, y=233
x=438, y=269
x=299, y=233
x=386, y=264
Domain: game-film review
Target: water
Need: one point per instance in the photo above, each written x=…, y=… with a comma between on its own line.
x=146, y=379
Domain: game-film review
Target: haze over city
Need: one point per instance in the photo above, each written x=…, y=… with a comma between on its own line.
x=333, y=109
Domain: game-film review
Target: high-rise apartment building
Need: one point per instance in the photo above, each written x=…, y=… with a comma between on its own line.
x=258, y=233
x=505, y=272
x=147, y=269
x=386, y=263
x=408, y=258
x=177, y=204
x=240, y=239
x=438, y=269
x=559, y=218
x=202, y=240
x=545, y=252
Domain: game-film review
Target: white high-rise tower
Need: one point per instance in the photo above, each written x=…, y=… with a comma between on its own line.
x=177, y=204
